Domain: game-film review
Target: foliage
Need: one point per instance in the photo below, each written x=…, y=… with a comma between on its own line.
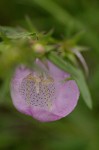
x=74, y=23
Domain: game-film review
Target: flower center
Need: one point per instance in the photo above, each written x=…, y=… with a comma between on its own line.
x=38, y=90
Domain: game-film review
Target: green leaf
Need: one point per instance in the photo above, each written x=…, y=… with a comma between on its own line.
x=5, y=87
x=76, y=74
x=14, y=33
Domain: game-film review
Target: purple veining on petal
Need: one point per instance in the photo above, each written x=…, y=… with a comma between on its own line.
x=44, y=96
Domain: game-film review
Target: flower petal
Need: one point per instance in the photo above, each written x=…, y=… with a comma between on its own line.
x=21, y=72
x=41, y=65
x=67, y=98
x=56, y=72
x=18, y=101
x=44, y=115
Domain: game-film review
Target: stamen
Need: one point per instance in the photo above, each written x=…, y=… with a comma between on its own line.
x=37, y=81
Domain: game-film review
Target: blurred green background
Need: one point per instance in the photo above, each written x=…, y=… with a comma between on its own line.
x=79, y=130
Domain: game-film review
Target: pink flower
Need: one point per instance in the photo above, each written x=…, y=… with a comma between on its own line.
x=44, y=94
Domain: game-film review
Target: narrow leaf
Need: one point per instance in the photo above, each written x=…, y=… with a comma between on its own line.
x=76, y=74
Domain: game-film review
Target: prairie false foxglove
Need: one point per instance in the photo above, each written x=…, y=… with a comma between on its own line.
x=44, y=95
